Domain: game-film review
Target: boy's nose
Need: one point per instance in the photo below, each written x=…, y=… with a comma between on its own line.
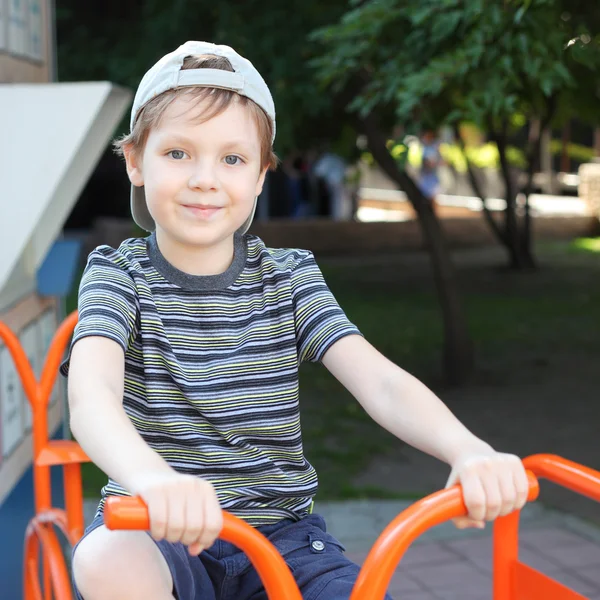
x=203, y=178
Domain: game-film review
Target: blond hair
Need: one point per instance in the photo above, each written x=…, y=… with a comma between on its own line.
x=151, y=114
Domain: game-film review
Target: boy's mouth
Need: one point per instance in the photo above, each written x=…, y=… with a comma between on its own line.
x=204, y=211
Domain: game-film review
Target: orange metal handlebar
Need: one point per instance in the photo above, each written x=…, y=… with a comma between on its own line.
x=132, y=513
x=382, y=560
x=569, y=474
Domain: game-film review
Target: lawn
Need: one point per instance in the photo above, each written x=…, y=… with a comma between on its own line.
x=513, y=318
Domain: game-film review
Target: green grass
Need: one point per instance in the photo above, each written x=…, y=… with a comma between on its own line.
x=395, y=307
x=587, y=245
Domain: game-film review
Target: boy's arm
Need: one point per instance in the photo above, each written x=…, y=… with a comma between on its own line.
x=493, y=483
x=182, y=508
x=97, y=418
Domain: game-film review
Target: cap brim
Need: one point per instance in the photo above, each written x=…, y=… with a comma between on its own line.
x=244, y=228
x=139, y=209
x=141, y=215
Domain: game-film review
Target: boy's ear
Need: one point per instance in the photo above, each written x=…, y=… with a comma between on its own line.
x=261, y=181
x=133, y=163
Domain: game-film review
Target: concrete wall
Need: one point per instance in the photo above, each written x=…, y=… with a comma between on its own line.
x=326, y=237
x=350, y=237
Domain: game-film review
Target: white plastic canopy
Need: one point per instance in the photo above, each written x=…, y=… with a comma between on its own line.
x=51, y=137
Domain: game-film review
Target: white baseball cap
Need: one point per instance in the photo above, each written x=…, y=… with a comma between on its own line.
x=166, y=74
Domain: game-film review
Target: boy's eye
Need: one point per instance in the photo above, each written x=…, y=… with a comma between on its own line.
x=232, y=159
x=176, y=154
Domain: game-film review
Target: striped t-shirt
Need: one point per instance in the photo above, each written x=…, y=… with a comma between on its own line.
x=211, y=364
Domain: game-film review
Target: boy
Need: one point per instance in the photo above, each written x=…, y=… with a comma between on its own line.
x=183, y=373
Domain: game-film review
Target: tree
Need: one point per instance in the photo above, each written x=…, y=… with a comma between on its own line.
x=446, y=61
x=123, y=40
x=360, y=60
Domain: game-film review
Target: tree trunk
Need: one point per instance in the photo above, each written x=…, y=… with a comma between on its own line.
x=536, y=129
x=458, y=347
x=519, y=252
x=533, y=160
x=494, y=226
x=565, y=159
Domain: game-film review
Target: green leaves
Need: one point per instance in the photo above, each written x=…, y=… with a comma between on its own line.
x=446, y=60
x=431, y=61
x=124, y=39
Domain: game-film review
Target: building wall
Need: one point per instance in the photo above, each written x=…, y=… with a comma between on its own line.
x=26, y=41
x=26, y=56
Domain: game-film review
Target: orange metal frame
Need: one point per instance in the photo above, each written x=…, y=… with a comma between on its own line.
x=513, y=580
x=46, y=454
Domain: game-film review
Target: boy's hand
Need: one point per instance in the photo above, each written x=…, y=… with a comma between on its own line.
x=182, y=508
x=494, y=485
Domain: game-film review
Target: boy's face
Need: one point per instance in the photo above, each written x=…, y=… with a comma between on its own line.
x=200, y=179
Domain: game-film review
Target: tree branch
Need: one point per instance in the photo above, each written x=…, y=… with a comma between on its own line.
x=479, y=192
x=533, y=159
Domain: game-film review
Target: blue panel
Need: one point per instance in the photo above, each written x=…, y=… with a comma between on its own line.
x=55, y=276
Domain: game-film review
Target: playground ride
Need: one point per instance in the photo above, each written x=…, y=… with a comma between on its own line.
x=512, y=579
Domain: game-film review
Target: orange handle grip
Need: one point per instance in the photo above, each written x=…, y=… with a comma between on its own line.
x=381, y=562
x=132, y=513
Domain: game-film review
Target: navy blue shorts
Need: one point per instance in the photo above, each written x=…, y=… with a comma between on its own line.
x=223, y=572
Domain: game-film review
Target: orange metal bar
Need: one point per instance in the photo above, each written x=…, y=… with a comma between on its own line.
x=61, y=452
x=19, y=357
x=569, y=474
x=58, y=518
x=47, y=574
x=505, y=555
x=39, y=533
x=132, y=513
x=55, y=355
x=74, y=499
x=38, y=395
x=376, y=573
x=31, y=582
x=514, y=580
x=40, y=422
x=39, y=401
x=41, y=475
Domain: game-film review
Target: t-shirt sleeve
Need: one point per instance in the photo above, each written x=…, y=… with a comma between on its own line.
x=320, y=322
x=107, y=303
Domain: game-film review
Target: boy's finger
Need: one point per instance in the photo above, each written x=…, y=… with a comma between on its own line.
x=194, y=522
x=467, y=523
x=508, y=491
x=213, y=517
x=195, y=549
x=494, y=501
x=522, y=487
x=157, y=510
x=474, y=496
